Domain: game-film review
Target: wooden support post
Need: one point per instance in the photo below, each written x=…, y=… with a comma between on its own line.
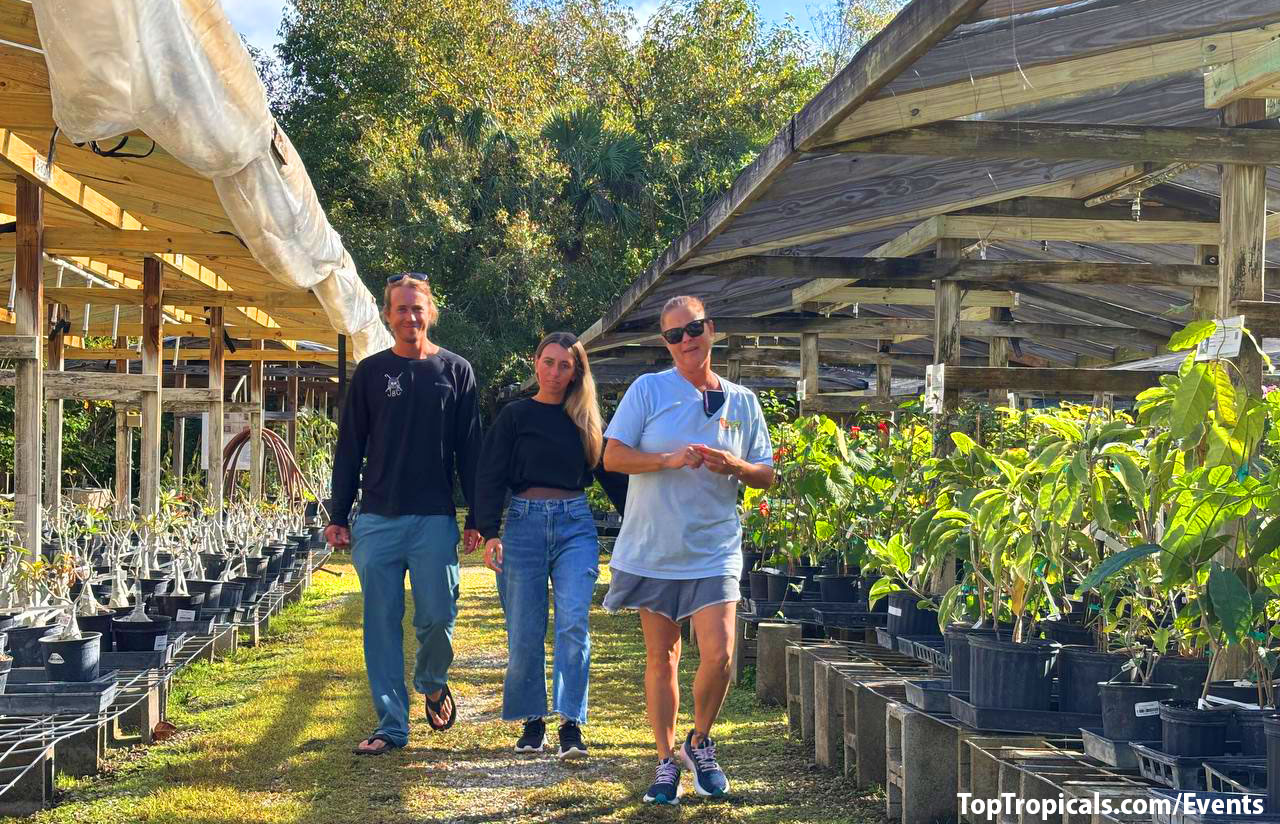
x=257, y=398
x=884, y=371
x=809, y=366
x=1243, y=222
x=217, y=358
x=149, y=464
x=29, y=385
x=124, y=446
x=178, y=453
x=998, y=355
x=946, y=339
x=291, y=405
x=53, y=419
x=733, y=369
x=1204, y=299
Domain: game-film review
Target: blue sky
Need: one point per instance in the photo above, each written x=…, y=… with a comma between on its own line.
x=259, y=20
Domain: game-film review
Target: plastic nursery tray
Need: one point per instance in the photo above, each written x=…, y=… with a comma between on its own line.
x=1230, y=775
x=1180, y=772
x=1187, y=810
x=134, y=661
x=1037, y=722
x=849, y=619
x=200, y=626
x=932, y=653
x=932, y=695
x=886, y=639
x=26, y=693
x=1113, y=753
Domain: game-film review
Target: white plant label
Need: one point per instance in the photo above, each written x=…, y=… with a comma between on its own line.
x=162, y=641
x=934, y=381
x=800, y=390
x=1145, y=708
x=55, y=659
x=895, y=611
x=1225, y=340
x=186, y=615
x=41, y=169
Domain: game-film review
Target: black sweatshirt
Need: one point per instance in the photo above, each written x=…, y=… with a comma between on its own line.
x=534, y=444
x=409, y=424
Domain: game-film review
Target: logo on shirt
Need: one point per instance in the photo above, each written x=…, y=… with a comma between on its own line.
x=393, y=385
x=725, y=423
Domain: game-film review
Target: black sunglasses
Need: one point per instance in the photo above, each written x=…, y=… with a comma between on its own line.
x=693, y=329
x=411, y=275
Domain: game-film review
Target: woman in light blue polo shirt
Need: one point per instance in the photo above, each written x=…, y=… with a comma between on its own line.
x=690, y=439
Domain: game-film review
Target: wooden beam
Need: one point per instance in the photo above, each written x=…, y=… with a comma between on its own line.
x=1083, y=231
x=916, y=297
x=998, y=350
x=1028, y=85
x=829, y=404
x=916, y=239
x=65, y=240
x=876, y=328
x=1243, y=239
x=1072, y=141
x=946, y=331
x=200, y=330
x=21, y=347
x=1161, y=328
x=79, y=296
x=213, y=429
x=189, y=354
x=809, y=366
x=28, y=404
x=1252, y=75
x=18, y=24
x=1074, y=381
x=98, y=386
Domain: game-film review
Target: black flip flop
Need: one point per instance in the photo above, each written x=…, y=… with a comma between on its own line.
x=377, y=736
x=438, y=705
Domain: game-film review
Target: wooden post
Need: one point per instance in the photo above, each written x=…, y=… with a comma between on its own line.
x=149, y=464
x=946, y=340
x=1243, y=224
x=53, y=420
x=809, y=365
x=257, y=398
x=29, y=384
x=998, y=355
x=1204, y=299
x=124, y=446
x=217, y=357
x=733, y=366
x=884, y=372
x=178, y=453
x=292, y=404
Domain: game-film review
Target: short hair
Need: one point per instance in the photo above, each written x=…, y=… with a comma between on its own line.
x=421, y=285
x=693, y=304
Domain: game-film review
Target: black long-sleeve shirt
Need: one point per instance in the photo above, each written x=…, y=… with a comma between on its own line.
x=410, y=425
x=534, y=444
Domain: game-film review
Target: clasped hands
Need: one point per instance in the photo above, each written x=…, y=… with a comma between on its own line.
x=697, y=455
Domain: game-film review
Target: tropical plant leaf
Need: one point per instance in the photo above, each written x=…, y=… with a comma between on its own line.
x=1113, y=564
x=1232, y=605
x=882, y=587
x=1191, y=335
x=1192, y=400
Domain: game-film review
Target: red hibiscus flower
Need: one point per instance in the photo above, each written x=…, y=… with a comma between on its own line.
x=764, y=507
x=883, y=426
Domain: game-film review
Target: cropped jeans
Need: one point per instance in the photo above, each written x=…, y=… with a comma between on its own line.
x=547, y=540
x=383, y=549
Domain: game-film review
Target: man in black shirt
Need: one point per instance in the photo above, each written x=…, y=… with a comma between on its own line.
x=410, y=423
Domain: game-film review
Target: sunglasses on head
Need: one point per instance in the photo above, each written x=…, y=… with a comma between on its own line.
x=410, y=275
x=693, y=329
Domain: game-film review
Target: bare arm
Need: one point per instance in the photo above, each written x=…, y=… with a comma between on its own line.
x=618, y=457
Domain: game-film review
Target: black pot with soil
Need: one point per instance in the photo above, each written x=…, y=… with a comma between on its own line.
x=750, y=560
x=231, y=594
x=957, y=638
x=1186, y=730
x=174, y=606
x=906, y=617
x=101, y=624
x=1271, y=731
x=1187, y=674
x=1234, y=691
x=1080, y=669
x=759, y=579
x=141, y=636
x=1067, y=633
x=23, y=644
x=838, y=589
x=1010, y=675
x=1131, y=712
x=253, y=586
x=1248, y=724
x=72, y=659
x=780, y=587
x=864, y=593
x=211, y=590
x=214, y=563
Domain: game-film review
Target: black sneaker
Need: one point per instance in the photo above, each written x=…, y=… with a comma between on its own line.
x=708, y=779
x=666, y=786
x=534, y=737
x=571, y=743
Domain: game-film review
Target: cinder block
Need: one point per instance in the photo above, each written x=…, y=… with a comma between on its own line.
x=871, y=702
x=921, y=765
x=793, y=690
x=828, y=714
x=809, y=658
x=34, y=789
x=81, y=755
x=772, y=641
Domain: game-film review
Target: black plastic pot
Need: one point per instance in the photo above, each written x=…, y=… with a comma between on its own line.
x=23, y=644
x=6, y=664
x=1067, y=633
x=1187, y=674
x=211, y=590
x=101, y=624
x=907, y=618
x=1009, y=675
x=149, y=585
x=8, y=619
x=1131, y=712
x=838, y=589
x=1186, y=730
x=231, y=594
x=1247, y=693
x=72, y=659
x=864, y=593
x=1253, y=743
x=831, y=566
x=957, y=637
x=256, y=565
x=760, y=584
x=1271, y=731
x=1079, y=671
x=749, y=562
x=780, y=586
x=214, y=563
x=141, y=636
x=171, y=605
x=253, y=585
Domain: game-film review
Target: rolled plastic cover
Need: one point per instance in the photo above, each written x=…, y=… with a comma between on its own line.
x=177, y=70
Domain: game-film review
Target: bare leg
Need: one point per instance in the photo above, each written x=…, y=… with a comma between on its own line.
x=714, y=628
x=661, y=674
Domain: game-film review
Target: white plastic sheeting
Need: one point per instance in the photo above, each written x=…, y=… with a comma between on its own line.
x=176, y=70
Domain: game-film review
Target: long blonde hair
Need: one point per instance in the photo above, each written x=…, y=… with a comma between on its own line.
x=580, y=402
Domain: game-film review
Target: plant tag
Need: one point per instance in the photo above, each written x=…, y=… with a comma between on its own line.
x=162, y=641
x=800, y=390
x=55, y=659
x=934, y=380
x=41, y=169
x=1142, y=709
x=186, y=615
x=895, y=611
x=1225, y=340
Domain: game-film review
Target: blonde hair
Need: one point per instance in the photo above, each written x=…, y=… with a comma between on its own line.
x=580, y=402
x=420, y=285
x=693, y=304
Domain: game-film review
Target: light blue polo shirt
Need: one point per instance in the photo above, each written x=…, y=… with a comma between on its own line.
x=683, y=523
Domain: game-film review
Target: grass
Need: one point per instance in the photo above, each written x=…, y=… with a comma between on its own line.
x=266, y=737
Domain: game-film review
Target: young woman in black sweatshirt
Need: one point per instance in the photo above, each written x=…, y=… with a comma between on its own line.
x=545, y=451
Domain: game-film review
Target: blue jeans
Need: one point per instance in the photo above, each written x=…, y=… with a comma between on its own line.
x=543, y=539
x=382, y=550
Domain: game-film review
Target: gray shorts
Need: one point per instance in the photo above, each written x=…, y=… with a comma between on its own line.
x=676, y=599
